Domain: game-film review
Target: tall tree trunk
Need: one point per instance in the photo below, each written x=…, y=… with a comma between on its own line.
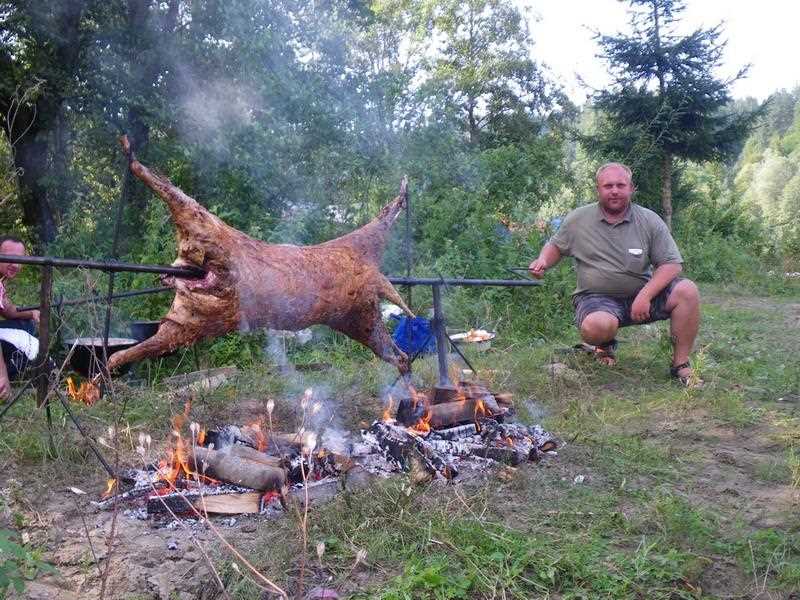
x=666, y=189
x=472, y=122
x=37, y=122
x=30, y=159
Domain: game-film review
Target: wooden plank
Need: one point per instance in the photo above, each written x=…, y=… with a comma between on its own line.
x=230, y=504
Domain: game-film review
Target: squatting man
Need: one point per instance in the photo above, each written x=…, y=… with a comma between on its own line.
x=18, y=347
x=628, y=268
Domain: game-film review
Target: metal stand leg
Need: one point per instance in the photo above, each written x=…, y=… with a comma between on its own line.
x=444, y=390
x=455, y=347
x=13, y=401
x=42, y=367
x=88, y=438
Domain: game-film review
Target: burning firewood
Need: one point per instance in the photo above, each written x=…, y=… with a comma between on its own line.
x=233, y=467
x=250, y=284
x=453, y=413
x=400, y=443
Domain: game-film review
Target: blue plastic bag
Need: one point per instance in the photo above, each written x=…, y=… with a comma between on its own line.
x=413, y=335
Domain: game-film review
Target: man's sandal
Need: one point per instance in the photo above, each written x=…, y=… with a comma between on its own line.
x=689, y=381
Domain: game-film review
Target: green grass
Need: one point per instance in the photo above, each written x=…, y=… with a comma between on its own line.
x=647, y=521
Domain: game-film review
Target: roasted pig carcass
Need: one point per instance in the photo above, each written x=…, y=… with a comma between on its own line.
x=250, y=284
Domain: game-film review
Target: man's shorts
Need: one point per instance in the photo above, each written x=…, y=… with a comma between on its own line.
x=620, y=307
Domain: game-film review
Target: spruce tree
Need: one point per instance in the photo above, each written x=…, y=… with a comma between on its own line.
x=665, y=100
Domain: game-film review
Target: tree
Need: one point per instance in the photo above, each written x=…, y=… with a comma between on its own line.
x=665, y=100
x=480, y=69
x=41, y=50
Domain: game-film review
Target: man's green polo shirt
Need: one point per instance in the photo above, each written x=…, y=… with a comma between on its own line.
x=615, y=260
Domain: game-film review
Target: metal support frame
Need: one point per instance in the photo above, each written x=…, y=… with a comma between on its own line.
x=444, y=386
x=101, y=265
x=445, y=390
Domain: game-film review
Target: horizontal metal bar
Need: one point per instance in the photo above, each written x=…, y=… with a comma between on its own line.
x=463, y=282
x=98, y=298
x=109, y=266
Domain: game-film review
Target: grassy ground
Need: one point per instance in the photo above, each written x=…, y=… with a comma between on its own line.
x=658, y=492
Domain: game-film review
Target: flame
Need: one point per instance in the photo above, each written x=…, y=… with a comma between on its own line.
x=388, y=411
x=176, y=465
x=88, y=393
x=110, y=485
x=422, y=426
x=201, y=438
x=480, y=409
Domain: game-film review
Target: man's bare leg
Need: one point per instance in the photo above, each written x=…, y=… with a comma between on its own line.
x=683, y=305
x=599, y=328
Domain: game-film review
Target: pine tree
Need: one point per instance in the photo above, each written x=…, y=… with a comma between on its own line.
x=665, y=100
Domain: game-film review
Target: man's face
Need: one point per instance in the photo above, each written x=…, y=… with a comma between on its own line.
x=10, y=270
x=614, y=190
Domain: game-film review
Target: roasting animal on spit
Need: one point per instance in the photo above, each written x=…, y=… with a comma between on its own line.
x=250, y=284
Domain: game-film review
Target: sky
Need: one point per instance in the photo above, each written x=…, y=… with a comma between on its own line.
x=765, y=34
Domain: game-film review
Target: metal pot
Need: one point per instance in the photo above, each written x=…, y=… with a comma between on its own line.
x=87, y=357
x=141, y=330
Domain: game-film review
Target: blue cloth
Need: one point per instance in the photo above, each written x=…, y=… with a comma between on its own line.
x=413, y=335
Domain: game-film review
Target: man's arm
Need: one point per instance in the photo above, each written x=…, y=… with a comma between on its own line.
x=640, y=309
x=548, y=257
x=9, y=311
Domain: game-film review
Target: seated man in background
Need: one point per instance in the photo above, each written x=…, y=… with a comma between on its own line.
x=17, y=344
x=628, y=265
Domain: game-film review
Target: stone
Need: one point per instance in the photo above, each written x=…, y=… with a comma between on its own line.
x=562, y=372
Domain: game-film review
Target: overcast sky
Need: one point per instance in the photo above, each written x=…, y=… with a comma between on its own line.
x=765, y=34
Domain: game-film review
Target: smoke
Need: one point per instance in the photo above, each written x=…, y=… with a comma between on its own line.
x=212, y=111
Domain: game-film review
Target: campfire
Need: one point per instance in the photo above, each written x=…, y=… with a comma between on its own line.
x=254, y=469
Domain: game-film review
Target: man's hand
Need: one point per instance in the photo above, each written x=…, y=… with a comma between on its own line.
x=640, y=309
x=537, y=268
x=35, y=316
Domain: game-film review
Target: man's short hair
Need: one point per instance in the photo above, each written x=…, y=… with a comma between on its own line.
x=10, y=238
x=614, y=165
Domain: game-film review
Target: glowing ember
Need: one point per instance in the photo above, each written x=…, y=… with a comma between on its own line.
x=261, y=439
x=87, y=392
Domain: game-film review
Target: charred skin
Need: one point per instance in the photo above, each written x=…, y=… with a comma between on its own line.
x=250, y=284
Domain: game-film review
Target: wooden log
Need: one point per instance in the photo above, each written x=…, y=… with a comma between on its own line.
x=454, y=413
x=234, y=469
x=184, y=503
x=505, y=399
x=254, y=455
x=504, y=454
x=230, y=504
x=399, y=442
x=178, y=503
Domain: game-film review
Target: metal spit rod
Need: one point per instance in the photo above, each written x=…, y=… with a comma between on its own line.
x=108, y=266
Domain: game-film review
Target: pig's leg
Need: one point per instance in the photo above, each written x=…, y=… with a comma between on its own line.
x=369, y=330
x=169, y=336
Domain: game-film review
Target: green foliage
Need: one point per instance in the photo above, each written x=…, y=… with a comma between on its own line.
x=242, y=350
x=18, y=563
x=666, y=101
